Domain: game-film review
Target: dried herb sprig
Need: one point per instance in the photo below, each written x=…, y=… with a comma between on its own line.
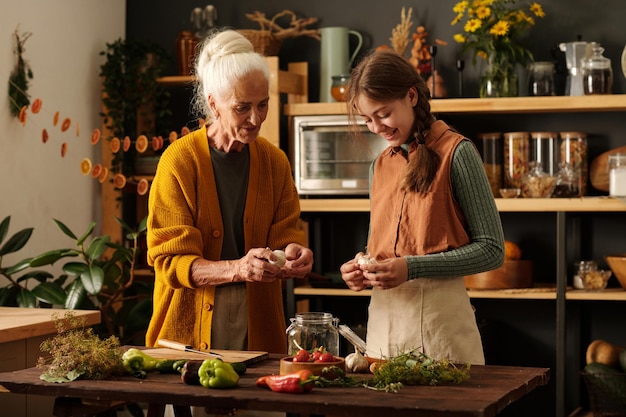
x=417, y=368
x=18, y=79
x=76, y=352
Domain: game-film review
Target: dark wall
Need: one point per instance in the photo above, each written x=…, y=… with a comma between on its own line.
x=565, y=20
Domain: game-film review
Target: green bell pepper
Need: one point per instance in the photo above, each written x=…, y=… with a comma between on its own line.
x=215, y=373
x=137, y=363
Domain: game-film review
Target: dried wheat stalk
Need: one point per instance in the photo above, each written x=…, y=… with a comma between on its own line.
x=400, y=34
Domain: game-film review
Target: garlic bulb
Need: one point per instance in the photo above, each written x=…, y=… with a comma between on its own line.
x=365, y=259
x=356, y=362
x=281, y=258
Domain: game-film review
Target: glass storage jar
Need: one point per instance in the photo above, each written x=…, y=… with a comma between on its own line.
x=490, y=147
x=313, y=330
x=567, y=182
x=582, y=268
x=617, y=175
x=543, y=151
x=541, y=78
x=515, y=158
x=597, y=72
x=536, y=183
x=573, y=150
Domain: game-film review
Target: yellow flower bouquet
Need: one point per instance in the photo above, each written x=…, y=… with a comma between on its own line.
x=491, y=28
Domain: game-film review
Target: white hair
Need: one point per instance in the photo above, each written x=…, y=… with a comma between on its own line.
x=225, y=57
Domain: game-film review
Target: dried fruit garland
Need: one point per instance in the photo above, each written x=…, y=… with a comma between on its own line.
x=18, y=80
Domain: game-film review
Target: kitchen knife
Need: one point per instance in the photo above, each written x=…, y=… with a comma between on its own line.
x=185, y=348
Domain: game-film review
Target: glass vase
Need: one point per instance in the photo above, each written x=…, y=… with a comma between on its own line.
x=499, y=78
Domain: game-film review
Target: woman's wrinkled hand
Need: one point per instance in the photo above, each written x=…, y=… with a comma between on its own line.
x=255, y=266
x=385, y=274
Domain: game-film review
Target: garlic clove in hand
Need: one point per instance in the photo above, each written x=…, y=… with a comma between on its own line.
x=365, y=259
x=356, y=362
x=281, y=258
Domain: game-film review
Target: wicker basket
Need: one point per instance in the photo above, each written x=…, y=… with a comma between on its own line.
x=263, y=41
x=607, y=394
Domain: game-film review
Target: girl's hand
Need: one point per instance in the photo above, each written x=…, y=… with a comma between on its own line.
x=352, y=275
x=385, y=274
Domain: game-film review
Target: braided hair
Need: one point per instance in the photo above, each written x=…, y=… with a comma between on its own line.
x=386, y=76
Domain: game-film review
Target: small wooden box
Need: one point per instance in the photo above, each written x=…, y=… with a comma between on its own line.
x=512, y=274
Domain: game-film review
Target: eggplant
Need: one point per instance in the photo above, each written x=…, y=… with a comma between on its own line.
x=189, y=373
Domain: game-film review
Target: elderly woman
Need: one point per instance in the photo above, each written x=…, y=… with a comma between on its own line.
x=222, y=200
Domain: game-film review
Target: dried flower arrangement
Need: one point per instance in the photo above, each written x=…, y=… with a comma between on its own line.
x=21, y=73
x=269, y=38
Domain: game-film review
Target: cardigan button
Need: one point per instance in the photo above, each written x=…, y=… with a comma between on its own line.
x=204, y=346
x=216, y=233
x=208, y=307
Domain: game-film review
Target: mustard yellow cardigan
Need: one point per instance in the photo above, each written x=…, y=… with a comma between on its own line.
x=184, y=224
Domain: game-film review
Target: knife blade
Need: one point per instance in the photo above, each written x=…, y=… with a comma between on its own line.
x=185, y=348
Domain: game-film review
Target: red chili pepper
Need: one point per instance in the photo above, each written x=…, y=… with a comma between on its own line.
x=294, y=383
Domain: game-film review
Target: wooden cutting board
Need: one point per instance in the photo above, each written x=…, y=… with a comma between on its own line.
x=599, y=170
x=247, y=357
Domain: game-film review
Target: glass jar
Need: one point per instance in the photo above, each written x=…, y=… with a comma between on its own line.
x=567, y=182
x=597, y=72
x=339, y=86
x=310, y=331
x=543, y=151
x=491, y=152
x=582, y=268
x=541, y=79
x=573, y=150
x=617, y=175
x=536, y=183
x=516, y=158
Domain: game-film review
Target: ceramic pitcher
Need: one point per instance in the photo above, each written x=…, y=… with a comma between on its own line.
x=335, y=56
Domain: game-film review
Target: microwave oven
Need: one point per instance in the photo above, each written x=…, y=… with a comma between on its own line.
x=328, y=158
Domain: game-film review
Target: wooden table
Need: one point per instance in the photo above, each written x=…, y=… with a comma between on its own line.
x=21, y=332
x=488, y=392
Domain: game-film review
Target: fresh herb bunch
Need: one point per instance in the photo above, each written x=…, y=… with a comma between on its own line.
x=417, y=368
x=76, y=352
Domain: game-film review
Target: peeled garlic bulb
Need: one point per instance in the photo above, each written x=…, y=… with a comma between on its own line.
x=281, y=258
x=365, y=259
x=356, y=362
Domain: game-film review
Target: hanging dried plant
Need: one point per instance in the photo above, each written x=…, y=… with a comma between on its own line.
x=18, y=80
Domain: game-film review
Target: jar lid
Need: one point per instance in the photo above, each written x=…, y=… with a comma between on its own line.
x=516, y=134
x=542, y=65
x=489, y=135
x=543, y=135
x=573, y=135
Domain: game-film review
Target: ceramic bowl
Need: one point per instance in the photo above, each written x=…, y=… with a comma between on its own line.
x=287, y=366
x=617, y=263
x=510, y=192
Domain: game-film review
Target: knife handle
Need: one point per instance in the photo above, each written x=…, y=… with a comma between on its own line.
x=172, y=345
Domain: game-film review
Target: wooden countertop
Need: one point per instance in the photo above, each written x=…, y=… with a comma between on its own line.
x=18, y=323
x=489, y=390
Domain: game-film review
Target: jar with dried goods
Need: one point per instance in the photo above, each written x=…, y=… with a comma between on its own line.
x=573, y=150
x=490, y=147
x=516, y=158
x=567, y=182
x=536, y=183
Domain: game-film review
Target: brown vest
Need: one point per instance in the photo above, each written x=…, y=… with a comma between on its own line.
x=407, y=223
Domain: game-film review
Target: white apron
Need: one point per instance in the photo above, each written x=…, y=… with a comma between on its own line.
x=433, y=315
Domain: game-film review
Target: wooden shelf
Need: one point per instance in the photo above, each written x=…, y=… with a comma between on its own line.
x=613, y=294
x=585, y=204
x=519, y=105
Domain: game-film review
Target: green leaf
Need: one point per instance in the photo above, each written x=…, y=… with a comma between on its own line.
x=25, y=298
x=8, y=296
x=50, y=293
x=65, y=229
x=143, y=225
x=124, y=225
x=50, y=257
x=39, y=275
x=93, y=279
x=80, y=241
x=75, y=295
x=16, y=242
x=20, y=266
x=4, y=227
x=75, y=268
x=97, y=247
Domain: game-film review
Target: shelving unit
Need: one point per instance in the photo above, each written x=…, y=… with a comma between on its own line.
x=561, y=294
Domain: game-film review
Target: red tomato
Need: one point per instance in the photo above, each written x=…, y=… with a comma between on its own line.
x=326, y=357
x=316, y=355
x=301, y=356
